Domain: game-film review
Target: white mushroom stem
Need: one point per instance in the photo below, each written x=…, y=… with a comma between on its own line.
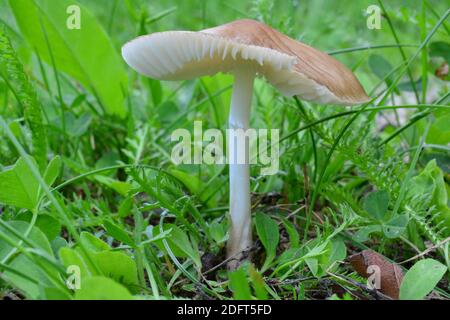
x=240, y=236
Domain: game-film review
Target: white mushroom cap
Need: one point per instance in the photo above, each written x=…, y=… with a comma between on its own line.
x=292, y=67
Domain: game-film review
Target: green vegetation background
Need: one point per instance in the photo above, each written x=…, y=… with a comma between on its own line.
x=86, y=178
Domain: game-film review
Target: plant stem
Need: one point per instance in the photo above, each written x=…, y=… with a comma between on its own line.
x=240, y=238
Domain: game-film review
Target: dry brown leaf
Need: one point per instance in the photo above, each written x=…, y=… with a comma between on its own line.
x=442, y=71
x=391, y=275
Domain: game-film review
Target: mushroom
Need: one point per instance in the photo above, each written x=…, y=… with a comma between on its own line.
x=245, y=49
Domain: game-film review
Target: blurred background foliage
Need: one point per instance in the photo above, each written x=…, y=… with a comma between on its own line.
x=71, y=102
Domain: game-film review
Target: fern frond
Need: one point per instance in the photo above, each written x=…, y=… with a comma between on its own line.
x=12, y=72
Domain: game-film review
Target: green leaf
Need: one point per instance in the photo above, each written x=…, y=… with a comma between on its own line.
x=268, y=233
x=258, y=283
x=113, y=264
x=421, y=279
x=156, y=91
x=379, y=66
x=71, y=257
x=45, y=222
x=440, y=49
x=408, y=85
x=12, y=71
x=126, y=207
x=439, y=132
x=338, y=252
x=18, y=187
x=220, y=103
x=121, y=187
x=239, y=285
x=118, y=266
x=431, y=181
x=101, y=288
x=168, y=111
x=294, y=237
x=58, y=243
x=376, y=204
x=93, y=243
x=87, y=54
x=179, y=243
x=36, y=236
x=52, y=293
x=395, y=226
x=363, y=234
x=335, y=250
x=195, y=187
x=26, y=266
x=118, y=233
x=52, y=170
x=218, y=231
x=23, y=264
x=74, y=127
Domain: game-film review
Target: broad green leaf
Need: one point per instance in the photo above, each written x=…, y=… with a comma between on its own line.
x=440, y=49
x=294, y=237
x=35, y=236
x=121, y=187
x=439, y=132
x=179, y=243
x=52, y=170
x=93, y=243
x=258, y=283
x=220, y=104
x=74, y=127
x=118, y=266
x=431, y=181
x=155, y=90
x=45, y=222
x=218, y=231
x=335, y=250
x=268, y=233
x=87, y=53
x=126, y=207
x=376, y=204
x=168, y=111
x=421, y=279
x=18, y=187
x=52, y=293
x=113, y=264
x=363, y=234
x=58, y=243
x=313, y=265
x=408, y=85
x=118, y=233
x=379, y=66
x=395, y=226
x=71, y=257
x=102, y=288
x=28, y=267
x=338, y=251
x=23, y=264
x=195, y=186
x=239, y=285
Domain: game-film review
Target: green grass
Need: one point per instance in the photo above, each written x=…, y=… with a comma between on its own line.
x=86, y=178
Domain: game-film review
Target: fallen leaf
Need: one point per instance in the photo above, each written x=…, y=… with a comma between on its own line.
x=368, y=262
x=442, y=71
